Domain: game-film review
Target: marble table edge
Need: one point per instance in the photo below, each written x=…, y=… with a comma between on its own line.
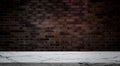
x=60, y=57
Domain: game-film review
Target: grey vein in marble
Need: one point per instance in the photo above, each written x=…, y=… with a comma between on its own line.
x=58, y=64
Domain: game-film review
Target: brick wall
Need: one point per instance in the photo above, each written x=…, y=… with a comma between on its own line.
x=59, y=25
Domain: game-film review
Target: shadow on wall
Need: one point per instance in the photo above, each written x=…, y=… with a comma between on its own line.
x=59, y=25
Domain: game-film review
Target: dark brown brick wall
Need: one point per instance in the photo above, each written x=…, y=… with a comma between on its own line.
x=59, y=25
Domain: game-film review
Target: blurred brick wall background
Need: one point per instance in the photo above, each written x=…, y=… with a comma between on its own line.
x=59, y=25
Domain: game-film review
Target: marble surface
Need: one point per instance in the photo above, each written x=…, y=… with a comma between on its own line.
x=60, y=57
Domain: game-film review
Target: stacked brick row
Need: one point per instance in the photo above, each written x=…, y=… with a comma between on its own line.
x=60, y=25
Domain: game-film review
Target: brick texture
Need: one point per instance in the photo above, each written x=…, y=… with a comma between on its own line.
x=59, y=25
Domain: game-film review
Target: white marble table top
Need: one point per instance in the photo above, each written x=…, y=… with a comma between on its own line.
x=60, y=57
